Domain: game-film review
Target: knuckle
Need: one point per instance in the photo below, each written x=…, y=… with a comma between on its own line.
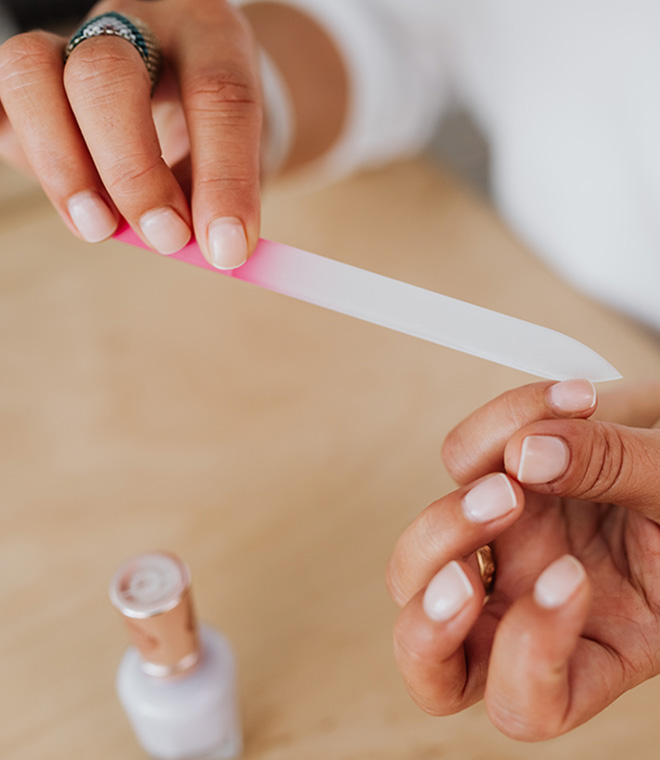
x=222, y=178
x=130, y=173
x=55, y=171
x=421, y=667
x=430, y=545
x=429, y=697
x=103, y=65
x=221, y=90
x=607, y=464
x=449, y=452
x=517, y=724
x=393, y=582
x=431, y=542
x=454, y=454
x=411, y=655
x=436, y=709
x=25, y=57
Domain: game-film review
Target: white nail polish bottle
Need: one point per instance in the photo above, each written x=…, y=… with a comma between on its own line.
x=178, y=683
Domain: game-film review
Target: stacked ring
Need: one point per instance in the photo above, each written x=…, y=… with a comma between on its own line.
x=132, y=30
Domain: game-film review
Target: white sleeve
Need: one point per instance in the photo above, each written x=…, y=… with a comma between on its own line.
x=395, y=57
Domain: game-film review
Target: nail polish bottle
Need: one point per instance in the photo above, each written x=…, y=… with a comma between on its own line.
x=177, y=683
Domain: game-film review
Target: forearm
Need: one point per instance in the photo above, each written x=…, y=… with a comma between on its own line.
x=314, y=73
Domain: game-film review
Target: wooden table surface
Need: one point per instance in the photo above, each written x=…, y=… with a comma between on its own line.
x=278, y=448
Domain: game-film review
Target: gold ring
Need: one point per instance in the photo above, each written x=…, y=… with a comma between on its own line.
x=486, y=564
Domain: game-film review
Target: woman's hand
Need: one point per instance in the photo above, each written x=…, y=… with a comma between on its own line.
x=88, y=132
x=571, y=507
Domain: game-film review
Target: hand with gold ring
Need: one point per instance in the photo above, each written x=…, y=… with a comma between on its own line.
x=79, y=113
x=569, y=505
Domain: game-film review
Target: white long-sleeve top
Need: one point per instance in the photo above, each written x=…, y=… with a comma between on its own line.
x=567, y=93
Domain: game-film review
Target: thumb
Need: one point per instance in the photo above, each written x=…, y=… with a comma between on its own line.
x=590, y=460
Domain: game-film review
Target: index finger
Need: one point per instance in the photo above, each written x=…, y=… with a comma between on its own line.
x=475, y=447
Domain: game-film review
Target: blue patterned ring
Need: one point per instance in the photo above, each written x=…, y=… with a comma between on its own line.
x=132, y=30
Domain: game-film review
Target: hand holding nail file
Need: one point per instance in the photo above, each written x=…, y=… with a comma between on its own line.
x=409, y=309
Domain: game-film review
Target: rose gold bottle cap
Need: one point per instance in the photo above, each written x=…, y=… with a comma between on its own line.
x=152, y=592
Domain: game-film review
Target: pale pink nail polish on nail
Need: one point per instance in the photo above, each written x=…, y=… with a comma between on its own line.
x=447, y=594
x=543, y=458
x=491, y=498
x=572, y=396
x=165, y=230
x=92, y=216
x=558, y=582
x=227, y=243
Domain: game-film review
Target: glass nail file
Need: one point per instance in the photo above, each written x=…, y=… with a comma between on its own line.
x=409, y=309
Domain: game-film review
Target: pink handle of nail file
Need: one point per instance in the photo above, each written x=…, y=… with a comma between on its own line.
x=408, y=309
x=249, y=271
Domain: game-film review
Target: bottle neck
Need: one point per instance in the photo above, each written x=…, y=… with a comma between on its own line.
x=183, y=667
x=168, y=643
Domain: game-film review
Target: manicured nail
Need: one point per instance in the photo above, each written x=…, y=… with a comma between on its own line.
x=165, y=230
x=448, y=592
x=572, y=396
x=491, y=498
x=543, y=458
x=92, y=216
x=558, y=582
x=227, y=243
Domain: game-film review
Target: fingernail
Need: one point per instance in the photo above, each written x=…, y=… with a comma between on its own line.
x=165, y=230
x=447, y=594
x=571, y=396
x=542, y=459
x=489, y=499
x=92, y=216
x=558, y=582
x=227, y=243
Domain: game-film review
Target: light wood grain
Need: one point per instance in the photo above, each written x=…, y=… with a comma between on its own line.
x=278, y=448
